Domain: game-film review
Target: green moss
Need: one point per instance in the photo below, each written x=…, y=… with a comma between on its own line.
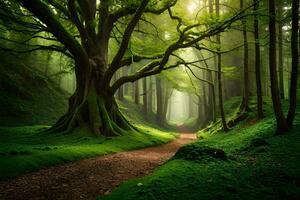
x=259, y=165
x=197, y=152
x=24, y=149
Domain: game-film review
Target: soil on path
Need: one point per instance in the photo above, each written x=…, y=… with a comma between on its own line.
x=89, y=178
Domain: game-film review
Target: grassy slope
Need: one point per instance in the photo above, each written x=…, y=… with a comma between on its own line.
x=24, y=149
x=27, y=97
x=270, y=171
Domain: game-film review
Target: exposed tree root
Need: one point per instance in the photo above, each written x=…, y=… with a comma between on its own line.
x=100, y=114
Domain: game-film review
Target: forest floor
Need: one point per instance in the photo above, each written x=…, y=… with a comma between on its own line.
x=89, y=178
x=248, y=162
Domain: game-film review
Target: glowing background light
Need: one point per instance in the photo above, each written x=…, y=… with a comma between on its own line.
x=192, y=7
x=167, y=35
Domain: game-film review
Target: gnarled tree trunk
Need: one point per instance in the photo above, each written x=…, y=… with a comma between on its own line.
x=92, y=105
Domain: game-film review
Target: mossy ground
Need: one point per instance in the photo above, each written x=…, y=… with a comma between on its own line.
x=25, y=149
x=28, y=98
x=268, y=169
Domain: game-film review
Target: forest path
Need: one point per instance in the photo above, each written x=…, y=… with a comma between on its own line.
x=89, y=178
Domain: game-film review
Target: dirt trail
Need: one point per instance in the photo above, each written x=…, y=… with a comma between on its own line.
x=89, y=178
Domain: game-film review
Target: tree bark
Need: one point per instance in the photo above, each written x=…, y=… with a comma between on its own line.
x=259, y=103
x=295, y=62
x=245, y=101
x=121, y=89
x=150, y=94
x=210, y=101
x=280, y=50
x=159, y=102
x=168, y=93
x=136, y=92
x=280, y=119
x=91, y=106
x=145, y=98
x=219, y=61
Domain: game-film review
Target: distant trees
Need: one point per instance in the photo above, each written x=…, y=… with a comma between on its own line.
x=280, y=118
x=85, y=30
x=105, y=39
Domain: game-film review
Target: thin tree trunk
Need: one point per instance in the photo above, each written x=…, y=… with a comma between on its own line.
x=121, y=90
x=223, y=117
x=145, y=99
x=168, y=93
x=190, y=114
x=210, y=6
x=245, y=101
x=295, y=62
x=215, y=77
x=224, y=123
x=280, y=50
x=260, y=113
x=125, y=86
x=150, y=94
x=210, y=103
x=280, y=119
x=136, y=93
x=200, y=109
x=159, y=102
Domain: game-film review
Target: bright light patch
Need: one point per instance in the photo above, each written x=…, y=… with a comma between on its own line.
x=286, y=28
x=167, y=35
x=192, y=7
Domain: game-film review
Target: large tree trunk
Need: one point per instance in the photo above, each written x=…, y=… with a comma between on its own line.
x=92, y=105
x=280, y=119
x=260, y=113
x=295, y=62
x=245, y=101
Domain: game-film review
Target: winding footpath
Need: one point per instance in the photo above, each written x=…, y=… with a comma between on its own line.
x=86, y=179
